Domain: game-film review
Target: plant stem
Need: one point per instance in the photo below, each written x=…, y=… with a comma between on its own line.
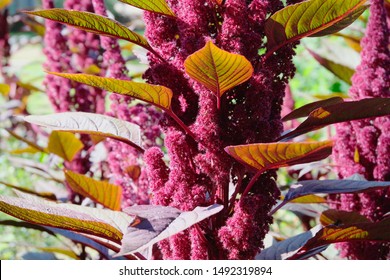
x=252, y=182
x=181, y=124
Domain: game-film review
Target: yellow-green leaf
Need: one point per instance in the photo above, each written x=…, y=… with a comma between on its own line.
x=339, y=217
x=102, y=192
x=156, y=95
x=218, y=70
x=156, y=6
x=102, y=223
x=93, y=23
x=4, y=89
x=311, y=198
x=89, y=123
x=64, y=144
x=311, y=18
x=265, y=156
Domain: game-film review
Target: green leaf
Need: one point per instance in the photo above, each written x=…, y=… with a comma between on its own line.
x=155, y=6
x=102, y=223
x=378, y=231
x=156, y=95
x=89, y=123
x=93, y=23
x=108, y=195
x=265, y=156
x=343, y=72
x=64, y=144
x=341, y=112
x=305, y=110
x=311, y=18
x=218, y=70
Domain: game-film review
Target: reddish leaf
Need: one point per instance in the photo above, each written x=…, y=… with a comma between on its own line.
x=305, y=110
x=310, y=18
x=340, y=217
x=218, y=70
x=266, y=156
x=378, y=231
x=341, y=112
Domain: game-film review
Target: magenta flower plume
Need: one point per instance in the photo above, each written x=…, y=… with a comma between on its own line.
x=369, y=139
x=200, y=171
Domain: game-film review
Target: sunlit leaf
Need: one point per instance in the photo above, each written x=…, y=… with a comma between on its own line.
x=352, y=41
x=96, y=222
x=102, y=192
x=218, y=70
x=93, y=23
x=134, y=171
x=27, y=150
x=377, y=231
x=50, y=196
x=158, y=222
x=64, y=144
x=309, y=199
x=4, y=89
x=156, y=95
x=341, y=112
x=305, y=110
x=156, y=6
x=264, y=156
x=283, y=249
x=311, y=18
x=340, y=217
x=35, y=26
x=89, y=123
x=343, y=72
x=4, y=3
x=308, y=187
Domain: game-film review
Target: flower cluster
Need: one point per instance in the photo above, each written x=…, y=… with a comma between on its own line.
x=199, y=170
x=364, y=146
